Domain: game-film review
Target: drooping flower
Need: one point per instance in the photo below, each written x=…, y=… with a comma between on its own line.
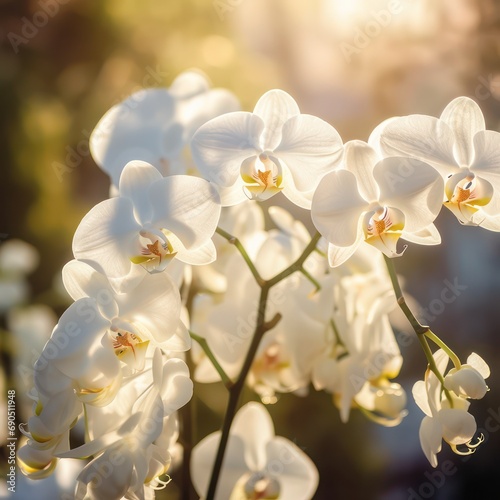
x=134, y=433
x=444, y=419
x=257, y=464
x=153, y=220
x=378, y=201
x=460, y=148
x=156, y=124
x=468, y=381
x=275, y=148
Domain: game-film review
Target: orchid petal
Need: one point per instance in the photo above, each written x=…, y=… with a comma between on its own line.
x=427, y=236
x=136, y=178
x=275, y=108
x=419, y=392
x=254, y=426
x=479, y=364
x=107, y=236
x=413, y=187
x=82, y=280
x=337, y=207
x=298, y=476
x=233, y=465
x=187, y=206
x=360, y=159
x=419, y=136
x=131, y=130
x=338, y=255
x=465, y=118
x=221, y=145
x=310, y=147
x=458, y=426
x=430, y=434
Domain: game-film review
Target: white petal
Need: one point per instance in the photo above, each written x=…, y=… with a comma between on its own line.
x=427, y=236
x=412, y=186
x=154, y=305
x=337, y=207
x=199, y=109
x=275, y=108
x=465, y=118
x=338, y=255
x=177, y=387
x=479, y=364
x=79, y=348
x=458, y=426
x=233, y=465
x=107, y=236
x=310, y=147
x=254, y=426
x=132, y=130
x=187, y=206
x=431, y=438
x=189, y=84
x=487, y=165
x=466, y=382
x=220, y=145
x=136, y=178
x=297, y=474
x=360, y=159
x=419, y=392
x=82, y=280
x=204, y=254
x=419, y=136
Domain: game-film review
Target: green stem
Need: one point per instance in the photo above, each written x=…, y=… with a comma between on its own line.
x=237, y=243
x=418, y=328
x=311, y=278
x=210, y=355
x=454, y=358
x=261, y=328
x=297, y=265
x=235, y=391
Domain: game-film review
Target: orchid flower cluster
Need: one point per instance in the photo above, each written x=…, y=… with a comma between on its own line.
x=184, y=250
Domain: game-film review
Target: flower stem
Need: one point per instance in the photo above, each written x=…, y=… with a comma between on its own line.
x=311, y=278
x=261, y=328
x=421, y=330
x=454, y=358
x=237, y=243
x=210, y=355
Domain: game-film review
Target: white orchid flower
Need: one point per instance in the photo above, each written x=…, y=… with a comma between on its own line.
x=153, y=220
x=257, y=464
x=79, y=355
x=378, y=201
x=458, y=145
x=443, y=420
x=149, y=313
x=275, y=148
x=468, y=381
x=129, y=431
x=156, y=124
x=362, y=353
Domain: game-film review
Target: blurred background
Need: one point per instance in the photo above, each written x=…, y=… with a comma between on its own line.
x=352, y=63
